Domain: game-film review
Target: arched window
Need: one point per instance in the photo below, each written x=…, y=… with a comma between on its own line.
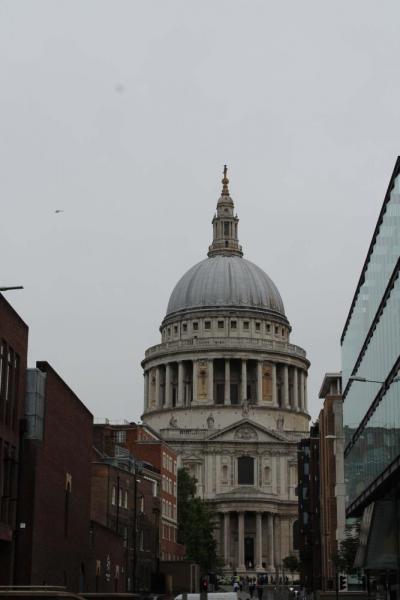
x=245, y=470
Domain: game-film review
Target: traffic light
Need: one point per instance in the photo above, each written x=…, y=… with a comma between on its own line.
x=342, y=583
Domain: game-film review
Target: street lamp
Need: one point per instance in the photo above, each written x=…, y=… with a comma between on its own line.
x=11, y=287
x=365, y=380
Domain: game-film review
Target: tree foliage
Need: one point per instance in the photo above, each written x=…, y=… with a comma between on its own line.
x=195, y=524
x=291, y=563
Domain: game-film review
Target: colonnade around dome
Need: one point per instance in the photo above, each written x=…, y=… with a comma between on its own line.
x=225, y=381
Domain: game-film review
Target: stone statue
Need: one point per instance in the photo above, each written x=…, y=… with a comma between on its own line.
x=210, y=422
x=173, y=422
x=245, y=407
x=280, y=423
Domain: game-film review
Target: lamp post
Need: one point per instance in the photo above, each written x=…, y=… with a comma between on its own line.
x=137, y=469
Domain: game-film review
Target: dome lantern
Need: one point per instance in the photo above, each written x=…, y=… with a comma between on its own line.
x=225, y=225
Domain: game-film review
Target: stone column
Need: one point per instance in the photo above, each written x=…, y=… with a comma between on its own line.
x=227, y=559
x=180, y=383
x=302, y=407
x=259, y=381
x=258, y=560
x=241, y=565
x=158, y=388
x=295, y=389
x=168, y=385
x=285, y=386
x=270, y=526
x=227, y=381
x=244, y=380
x=146, y=389
x=210, y=392
x=274, y=387
x=277, y=554
x=194, y=395
x=305, y=393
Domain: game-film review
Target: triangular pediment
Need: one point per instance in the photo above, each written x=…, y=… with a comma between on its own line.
x=246, y=430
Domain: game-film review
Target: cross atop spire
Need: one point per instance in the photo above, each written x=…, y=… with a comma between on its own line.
x=225, y=181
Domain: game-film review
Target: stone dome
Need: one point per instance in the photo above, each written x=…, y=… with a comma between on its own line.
x=225, y=281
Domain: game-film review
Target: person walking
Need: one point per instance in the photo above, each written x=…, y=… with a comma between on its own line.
x=260, y=589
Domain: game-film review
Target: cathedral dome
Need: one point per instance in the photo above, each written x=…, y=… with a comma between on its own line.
x=225, y=280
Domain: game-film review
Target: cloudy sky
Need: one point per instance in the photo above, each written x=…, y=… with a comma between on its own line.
x=122, y=114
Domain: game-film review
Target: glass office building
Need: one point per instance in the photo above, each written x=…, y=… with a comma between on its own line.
x=370, y=369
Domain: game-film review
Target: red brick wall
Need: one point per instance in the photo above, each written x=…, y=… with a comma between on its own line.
x=13, y=339
x=47, y=550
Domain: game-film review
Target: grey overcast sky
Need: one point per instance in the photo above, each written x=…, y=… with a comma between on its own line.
x=122, y=114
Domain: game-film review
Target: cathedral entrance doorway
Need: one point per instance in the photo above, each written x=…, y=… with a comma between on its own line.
x=249, y=552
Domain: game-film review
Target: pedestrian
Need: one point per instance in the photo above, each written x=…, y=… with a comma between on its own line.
x=235, y=586
x=252, y=587
x=260, y=589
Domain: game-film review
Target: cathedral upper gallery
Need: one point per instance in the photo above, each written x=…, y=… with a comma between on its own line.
x=228, y=391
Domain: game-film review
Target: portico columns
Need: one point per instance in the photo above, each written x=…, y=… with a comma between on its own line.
x=295, y=389
x=158, y=387
x=259, y=381
x=244, y=380
x=167, y=385
x=227, y=394
x=241, y=565
x=226, y=540
x=180, y=383
x=285, y=386
x=305, y=393
x=270, y=528
x=210, y=391
x=258, y=557
x=274, y=388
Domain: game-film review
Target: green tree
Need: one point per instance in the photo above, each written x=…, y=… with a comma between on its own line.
x=344, y=558
x=291, y=563
x=195, y=524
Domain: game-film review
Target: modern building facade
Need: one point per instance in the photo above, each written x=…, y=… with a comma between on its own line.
x=228, y=391
x=371, y=395
x=13, y=358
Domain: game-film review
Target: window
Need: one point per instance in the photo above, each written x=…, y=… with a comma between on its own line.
x=258, y=325
x=195, y=325
x=225, y=474
x=220, y=324
x=245, y=470
x=126, y=499
x=169, y=331
x=114, y=495
x=245, y=324
x=184, y=327
x=207, y=324
x=268, y=328
x=175, y=328
x=120, y=496
x=276, y=330
x=226, y=228
x=233, y=324
x=120, y=437
x=141, y=504
x=283, y=332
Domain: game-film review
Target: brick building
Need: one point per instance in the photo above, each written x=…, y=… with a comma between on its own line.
x=124, y=491
x=331, y=475
x=146, y=445
x=54, y=509
x=13, y=359
x=309, y=511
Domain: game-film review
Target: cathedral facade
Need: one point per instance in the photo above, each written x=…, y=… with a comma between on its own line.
x=228, y=391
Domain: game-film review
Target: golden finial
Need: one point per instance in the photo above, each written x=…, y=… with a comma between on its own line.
x=225, y=181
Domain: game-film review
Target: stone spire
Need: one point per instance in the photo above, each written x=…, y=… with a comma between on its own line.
x=225, y=225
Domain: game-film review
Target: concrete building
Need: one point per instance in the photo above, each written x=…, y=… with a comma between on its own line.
x=371, y=394
x=227, y=390
x=331, y=475
x=13, y=357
